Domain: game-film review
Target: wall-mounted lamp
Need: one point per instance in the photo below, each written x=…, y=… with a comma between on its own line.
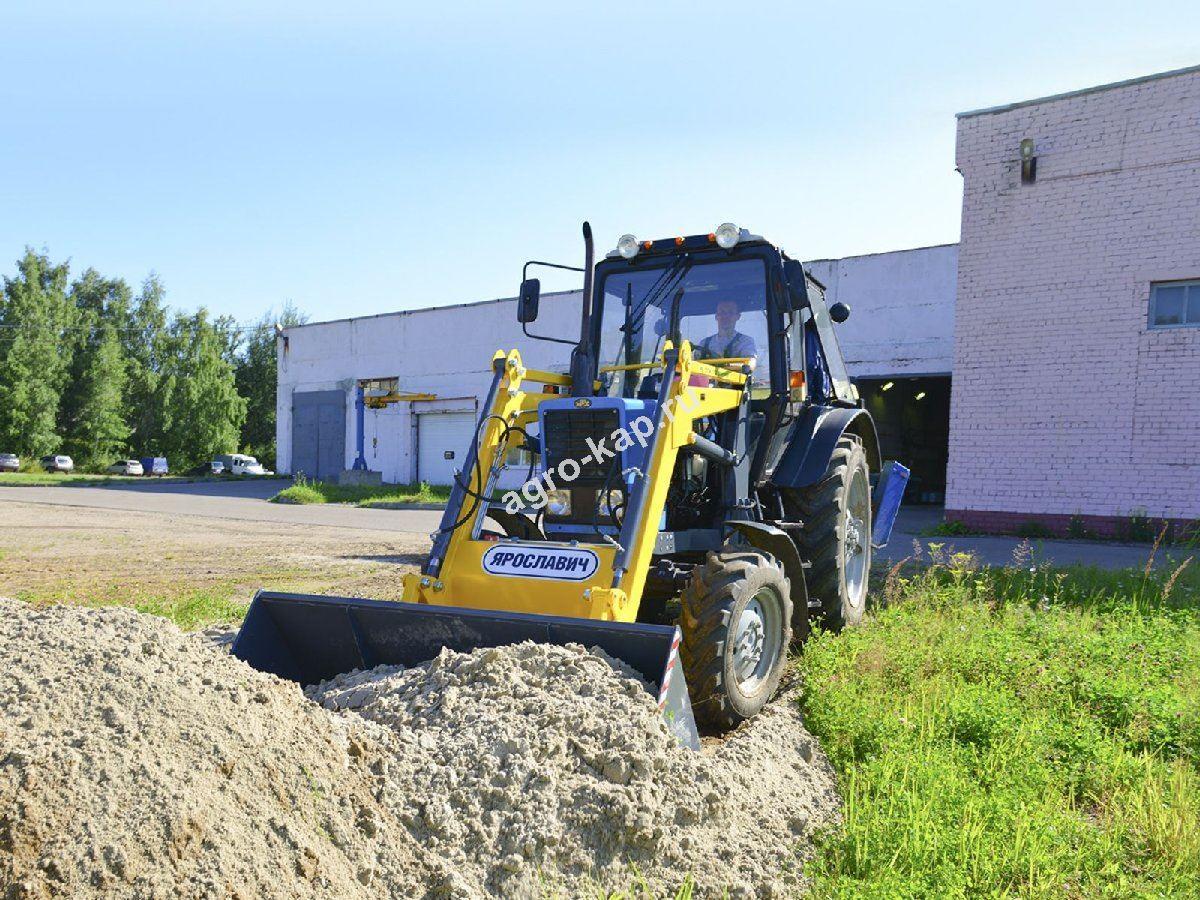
x=888, y=386
x=920, y=395
x=1028, y=162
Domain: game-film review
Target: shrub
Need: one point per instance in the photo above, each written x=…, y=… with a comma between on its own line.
x=1033, y=530
x=1077, y=530
x=947, y=528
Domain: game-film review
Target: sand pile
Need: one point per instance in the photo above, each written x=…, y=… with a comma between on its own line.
x=534, y=764
x=136, y=760
x=139, y=761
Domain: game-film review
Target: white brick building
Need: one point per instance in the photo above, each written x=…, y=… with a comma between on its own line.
x=447, y=351
x=1053, y=356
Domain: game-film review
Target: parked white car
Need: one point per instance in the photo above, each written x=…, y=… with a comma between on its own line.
x=126, y=467
x=10, y=462
x=58, y=463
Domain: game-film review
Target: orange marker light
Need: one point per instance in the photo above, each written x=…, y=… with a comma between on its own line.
x=678, y=242
x=549, y=388
x=646, y=245
x=712, y=238
x=796, y=379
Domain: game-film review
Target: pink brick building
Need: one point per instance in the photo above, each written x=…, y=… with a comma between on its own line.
x=1076, y=374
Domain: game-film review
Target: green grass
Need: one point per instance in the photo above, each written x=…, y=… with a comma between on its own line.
x=1014, y=733
x=41, y=479
x=1133, y=529
x=190, y=609
x=84, y=479
x=361, y=495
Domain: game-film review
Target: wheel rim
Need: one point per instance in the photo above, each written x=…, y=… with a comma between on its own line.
x=756, y=641
x=857, y=538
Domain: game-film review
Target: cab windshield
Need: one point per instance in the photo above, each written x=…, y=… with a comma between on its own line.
x=719, y=307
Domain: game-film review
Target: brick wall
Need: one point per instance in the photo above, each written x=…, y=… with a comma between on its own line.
x=1064, y=402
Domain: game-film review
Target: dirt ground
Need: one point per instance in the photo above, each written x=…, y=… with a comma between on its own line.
x=336, y=819
x=97, y=556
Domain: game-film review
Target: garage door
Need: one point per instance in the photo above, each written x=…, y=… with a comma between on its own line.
x=318, y=433
x=442, y=442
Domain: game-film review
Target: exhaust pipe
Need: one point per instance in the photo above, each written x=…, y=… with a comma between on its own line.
x=589, y=255
x=582, y=363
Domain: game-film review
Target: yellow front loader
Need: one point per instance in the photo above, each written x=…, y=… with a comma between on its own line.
x=685, y=493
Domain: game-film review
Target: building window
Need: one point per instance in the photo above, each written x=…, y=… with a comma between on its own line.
x=1175, y=304
x=379, y=387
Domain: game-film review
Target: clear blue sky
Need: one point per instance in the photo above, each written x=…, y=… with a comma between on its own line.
x=362, y=157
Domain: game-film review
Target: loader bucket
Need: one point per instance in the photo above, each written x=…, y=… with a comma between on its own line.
x=308, y=639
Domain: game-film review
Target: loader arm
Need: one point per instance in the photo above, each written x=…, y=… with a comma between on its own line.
x=602, y=580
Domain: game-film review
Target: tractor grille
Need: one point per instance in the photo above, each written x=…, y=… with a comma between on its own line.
x=565, y=433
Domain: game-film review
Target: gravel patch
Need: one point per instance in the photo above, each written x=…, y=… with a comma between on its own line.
x=139, y=761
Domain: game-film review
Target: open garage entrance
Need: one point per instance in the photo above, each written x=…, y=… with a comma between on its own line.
x=912, y=416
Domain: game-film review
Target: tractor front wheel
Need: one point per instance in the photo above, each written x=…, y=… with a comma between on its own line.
x=736, y=622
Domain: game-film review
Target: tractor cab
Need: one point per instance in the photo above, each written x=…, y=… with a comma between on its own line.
x=719, y=305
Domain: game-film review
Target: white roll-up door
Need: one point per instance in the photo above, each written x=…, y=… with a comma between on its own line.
x=442, y=442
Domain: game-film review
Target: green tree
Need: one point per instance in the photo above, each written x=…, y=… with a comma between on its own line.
x=146, y=345
x=99, y=432
x=98, y=372
x=92, y=412
x=231, y=338
x=35, y=357
x=204, y=415
x=257, y=377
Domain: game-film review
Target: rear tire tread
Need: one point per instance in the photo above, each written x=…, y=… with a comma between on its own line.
x=820, y=510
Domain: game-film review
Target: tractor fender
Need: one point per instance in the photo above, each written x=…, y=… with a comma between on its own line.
x=780, y=545
x=813, y=438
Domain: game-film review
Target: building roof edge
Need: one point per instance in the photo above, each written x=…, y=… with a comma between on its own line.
x=1141, y=79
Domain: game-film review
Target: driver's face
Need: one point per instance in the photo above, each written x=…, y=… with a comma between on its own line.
x=727, y=315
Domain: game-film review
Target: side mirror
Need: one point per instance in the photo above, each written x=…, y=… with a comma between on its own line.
x=797, y=285
x=527, y=303
x=839, y=312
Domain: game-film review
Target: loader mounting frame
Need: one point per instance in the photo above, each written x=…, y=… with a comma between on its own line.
x=454, y=574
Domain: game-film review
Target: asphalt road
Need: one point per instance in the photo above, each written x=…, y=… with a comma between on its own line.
x=246, y=501
x=234, y=500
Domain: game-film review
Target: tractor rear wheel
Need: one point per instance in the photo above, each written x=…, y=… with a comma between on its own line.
x=836, y=515
x=736, y=622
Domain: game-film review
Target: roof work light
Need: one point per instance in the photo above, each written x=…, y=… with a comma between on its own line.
x=728, y=235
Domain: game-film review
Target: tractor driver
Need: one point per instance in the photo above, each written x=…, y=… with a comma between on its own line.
x=728, y=343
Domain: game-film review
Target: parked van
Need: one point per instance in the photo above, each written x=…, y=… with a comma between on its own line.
x=154, y=465
x=241, y=464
